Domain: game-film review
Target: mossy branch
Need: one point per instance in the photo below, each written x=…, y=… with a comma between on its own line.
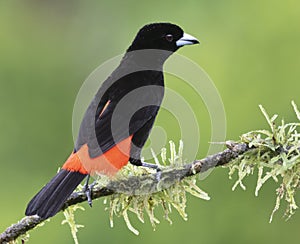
x=133, y=184
x=273, y=154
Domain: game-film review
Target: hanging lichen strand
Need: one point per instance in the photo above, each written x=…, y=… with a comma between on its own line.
x=276, y=155
x=166, y=194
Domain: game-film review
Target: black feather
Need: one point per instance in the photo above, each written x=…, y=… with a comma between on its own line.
x=50, y=199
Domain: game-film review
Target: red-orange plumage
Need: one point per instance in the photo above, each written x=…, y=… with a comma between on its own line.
x=108, y=163
x=74, y=164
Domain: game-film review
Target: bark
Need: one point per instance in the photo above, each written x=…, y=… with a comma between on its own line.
x=134, y=184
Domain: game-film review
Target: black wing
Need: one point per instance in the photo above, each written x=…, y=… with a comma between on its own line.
x=125, y=108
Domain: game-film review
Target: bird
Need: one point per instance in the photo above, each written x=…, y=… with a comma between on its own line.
x=119, y=118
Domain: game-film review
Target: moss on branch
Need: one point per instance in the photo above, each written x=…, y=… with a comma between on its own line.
x=169, y=177
x=272, y=154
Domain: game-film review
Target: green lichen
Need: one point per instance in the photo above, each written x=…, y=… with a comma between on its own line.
x=275, y=155
x=70, y=220
x=21, y=239
x=168, y=196
x=139, y=192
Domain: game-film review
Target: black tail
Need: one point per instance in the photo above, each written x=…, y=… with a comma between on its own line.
x=48, y=201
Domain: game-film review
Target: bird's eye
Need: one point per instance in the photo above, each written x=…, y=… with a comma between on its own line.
x=169, y=37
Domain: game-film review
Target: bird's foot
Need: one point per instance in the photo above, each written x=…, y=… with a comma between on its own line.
x=88, y=190
x=139, y=162
x=153, y=166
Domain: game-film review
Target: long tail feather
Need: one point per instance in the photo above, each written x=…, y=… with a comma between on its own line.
x=49, y=200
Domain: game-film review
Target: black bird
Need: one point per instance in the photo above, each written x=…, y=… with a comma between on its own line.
x=119, y=119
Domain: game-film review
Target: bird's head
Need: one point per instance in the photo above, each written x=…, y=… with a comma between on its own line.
x=161, y=36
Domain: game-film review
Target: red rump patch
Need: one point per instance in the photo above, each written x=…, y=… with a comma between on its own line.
x=108, y=163
x=73, y=164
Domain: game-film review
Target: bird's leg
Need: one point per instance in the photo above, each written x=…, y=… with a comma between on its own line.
x=88, y=190
x=151, y=166
x=138, y=162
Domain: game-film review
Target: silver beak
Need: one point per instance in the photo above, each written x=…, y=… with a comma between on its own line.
x=186, y=40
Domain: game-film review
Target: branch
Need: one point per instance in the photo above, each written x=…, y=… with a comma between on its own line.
x=274, y=153
x=135, y=185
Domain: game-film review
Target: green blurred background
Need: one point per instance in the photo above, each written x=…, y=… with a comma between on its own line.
x=249, y=48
